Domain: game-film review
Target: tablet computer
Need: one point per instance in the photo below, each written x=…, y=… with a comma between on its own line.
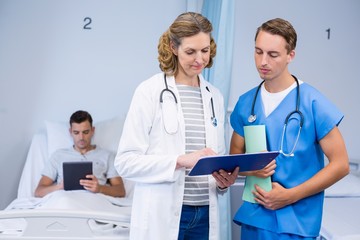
x=246, y=162
x=73, y=172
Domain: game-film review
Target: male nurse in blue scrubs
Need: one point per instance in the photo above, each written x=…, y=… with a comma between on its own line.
x=293, y=208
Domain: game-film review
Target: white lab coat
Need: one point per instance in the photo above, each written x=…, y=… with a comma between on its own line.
x=147, y=154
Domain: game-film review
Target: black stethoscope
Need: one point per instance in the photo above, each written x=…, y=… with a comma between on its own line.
x=166, y=89
x=252, y=117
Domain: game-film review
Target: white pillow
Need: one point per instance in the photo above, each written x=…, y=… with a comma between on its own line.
x=58, y=136
x=107, y=134
x=349, y=186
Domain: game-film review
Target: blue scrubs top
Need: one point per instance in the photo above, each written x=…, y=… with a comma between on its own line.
x=320, y=117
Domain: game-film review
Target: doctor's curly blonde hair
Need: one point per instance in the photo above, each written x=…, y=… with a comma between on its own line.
x=185, y=25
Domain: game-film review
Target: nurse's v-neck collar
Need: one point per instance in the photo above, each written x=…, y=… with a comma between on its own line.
x=271, y=101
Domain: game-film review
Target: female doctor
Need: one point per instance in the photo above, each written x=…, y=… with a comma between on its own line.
x=175, y=118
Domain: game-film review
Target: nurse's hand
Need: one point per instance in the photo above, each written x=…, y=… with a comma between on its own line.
x=276, y=198
x=225, y=179
x=189, y=160
x=267, y=171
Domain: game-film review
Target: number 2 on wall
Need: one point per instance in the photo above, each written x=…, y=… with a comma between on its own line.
x=87, y=22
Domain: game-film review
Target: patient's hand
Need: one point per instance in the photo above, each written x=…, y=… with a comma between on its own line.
x=91, y=183
x=267, y=171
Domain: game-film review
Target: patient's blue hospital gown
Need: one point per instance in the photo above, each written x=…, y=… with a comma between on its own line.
x=302, y=218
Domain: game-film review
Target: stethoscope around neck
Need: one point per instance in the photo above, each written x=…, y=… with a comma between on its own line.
x=252, y=118
x=166, y=89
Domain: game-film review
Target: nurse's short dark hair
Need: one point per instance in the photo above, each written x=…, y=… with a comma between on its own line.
x=281, y=27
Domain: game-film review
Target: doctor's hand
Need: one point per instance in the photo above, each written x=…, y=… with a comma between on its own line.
x=189, y=160
x=225, y=179
x=267, y=171
x=91, y=183
x=276, y=198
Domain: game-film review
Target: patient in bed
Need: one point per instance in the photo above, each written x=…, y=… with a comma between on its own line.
x=104, y=180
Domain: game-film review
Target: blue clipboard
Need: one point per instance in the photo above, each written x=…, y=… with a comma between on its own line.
x=246, y=162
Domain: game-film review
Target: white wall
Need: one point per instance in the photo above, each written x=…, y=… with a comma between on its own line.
x=330, y=65
x=50, y=66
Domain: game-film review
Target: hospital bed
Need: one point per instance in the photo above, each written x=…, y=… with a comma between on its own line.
x=341, y=214
x=66, y=214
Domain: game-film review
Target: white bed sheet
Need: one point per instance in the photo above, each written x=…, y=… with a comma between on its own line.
x=34, y=164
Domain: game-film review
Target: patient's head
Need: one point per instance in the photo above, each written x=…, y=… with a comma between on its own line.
x=80, y=116
x=81, y=130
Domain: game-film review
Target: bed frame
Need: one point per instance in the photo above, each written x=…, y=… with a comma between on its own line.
x=65, y=224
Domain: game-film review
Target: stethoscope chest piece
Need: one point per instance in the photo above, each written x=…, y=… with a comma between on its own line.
x=214, y=121
x=252, y=118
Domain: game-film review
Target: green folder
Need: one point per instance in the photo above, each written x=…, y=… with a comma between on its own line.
x=255, y=141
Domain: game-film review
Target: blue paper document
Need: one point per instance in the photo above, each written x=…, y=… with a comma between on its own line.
x=246, y=162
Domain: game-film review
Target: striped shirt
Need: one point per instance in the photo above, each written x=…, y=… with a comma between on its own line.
x=196, y=191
